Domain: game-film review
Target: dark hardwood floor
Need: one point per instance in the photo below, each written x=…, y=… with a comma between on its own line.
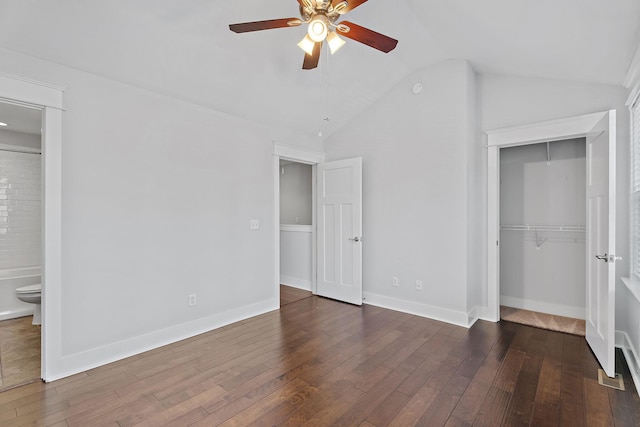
x=323, y=363
x=289, y=294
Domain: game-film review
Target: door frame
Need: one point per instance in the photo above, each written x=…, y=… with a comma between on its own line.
x=298, y=155
x=548, y=131
x=47, y=98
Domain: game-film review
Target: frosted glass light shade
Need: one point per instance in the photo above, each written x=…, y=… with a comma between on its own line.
x=318, y=28
x=307, y=44
x=335, y=42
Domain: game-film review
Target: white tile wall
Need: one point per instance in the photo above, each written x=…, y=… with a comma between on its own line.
x=20, y=196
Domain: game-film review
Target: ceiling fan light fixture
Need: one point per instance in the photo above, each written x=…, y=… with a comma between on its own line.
x=341, y=7
x=318, y=28
x=307, y=44
x=335, y=42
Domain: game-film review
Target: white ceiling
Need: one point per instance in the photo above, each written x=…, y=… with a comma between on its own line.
x=185, y=49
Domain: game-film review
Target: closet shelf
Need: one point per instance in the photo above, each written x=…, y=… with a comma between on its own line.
x=568, y=228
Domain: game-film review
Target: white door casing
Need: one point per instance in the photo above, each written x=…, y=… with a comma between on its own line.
x=600, y=304
x=339, y=235
x=285, y=152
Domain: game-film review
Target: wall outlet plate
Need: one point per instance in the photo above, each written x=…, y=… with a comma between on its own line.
x=419, y=285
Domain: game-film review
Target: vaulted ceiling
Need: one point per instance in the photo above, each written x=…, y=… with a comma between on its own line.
x=185, y=49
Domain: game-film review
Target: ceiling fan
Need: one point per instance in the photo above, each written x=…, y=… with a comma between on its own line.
x=321, y=17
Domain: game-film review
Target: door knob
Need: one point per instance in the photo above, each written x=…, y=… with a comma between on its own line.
x=604, y=257
x=355, y=239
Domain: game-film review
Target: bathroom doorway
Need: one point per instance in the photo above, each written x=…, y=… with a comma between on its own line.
x=296, y=225
x=299, y=277
x=20, y=244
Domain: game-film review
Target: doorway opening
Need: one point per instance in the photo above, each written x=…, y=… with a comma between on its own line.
x=296, y=230
x=20, y=244
x=47, y=99
x=542, y=235
x=299, y=163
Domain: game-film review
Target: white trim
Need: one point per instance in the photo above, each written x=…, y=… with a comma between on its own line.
x=287, y=152
x=493, y=234
x=30, y=92
x=33, y=82
x=13, y=314
x=276, y=226
x=296, y=282
x=84, y=361
x=51, y=242
x=296, y=228
x=459, y=318
x=553, y=130
x=473, y=315
x=543, y=307
x=623, y=342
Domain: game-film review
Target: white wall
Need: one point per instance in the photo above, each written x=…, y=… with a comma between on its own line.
x=296, y=256
x=416, y=191
x=545, y=271
x=157, y=198
x=295, y=193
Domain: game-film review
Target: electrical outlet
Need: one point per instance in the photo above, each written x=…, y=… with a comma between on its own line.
x=395, y=282
x=418, y=285
x=192, y=300
x=254, y=224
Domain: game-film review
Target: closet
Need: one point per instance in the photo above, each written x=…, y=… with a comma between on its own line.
x=543, y=227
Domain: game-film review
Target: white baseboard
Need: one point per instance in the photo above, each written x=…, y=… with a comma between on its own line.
x=14, y=314
x=489, y=315
x=80, y=362
x=459, y=318
x=543, y=307
x=624, y=342
x=473, y=315
x=295, y=282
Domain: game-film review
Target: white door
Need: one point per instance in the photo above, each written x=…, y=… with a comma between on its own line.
x=601, y=241
x=339, y=263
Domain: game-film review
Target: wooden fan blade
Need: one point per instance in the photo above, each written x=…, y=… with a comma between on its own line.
x=311, y=61
x=366, y=36
x=246, y=27
x=352, y=4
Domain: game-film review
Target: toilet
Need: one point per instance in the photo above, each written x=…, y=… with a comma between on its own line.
x=32, y=294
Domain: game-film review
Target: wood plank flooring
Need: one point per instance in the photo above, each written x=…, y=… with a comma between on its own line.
x=289, y=294
x=19, y=352
x=318, y=362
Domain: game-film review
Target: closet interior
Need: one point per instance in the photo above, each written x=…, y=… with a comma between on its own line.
x=543, y=227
